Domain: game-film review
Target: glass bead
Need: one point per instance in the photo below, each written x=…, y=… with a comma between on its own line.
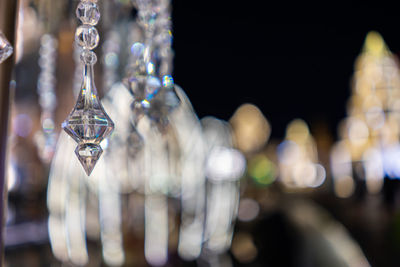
x=88, y=13
x=88, y=57
x=87, y=36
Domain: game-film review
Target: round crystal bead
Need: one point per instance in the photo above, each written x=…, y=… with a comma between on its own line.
x=88, y=57
x=88, y=13
x=87, y=36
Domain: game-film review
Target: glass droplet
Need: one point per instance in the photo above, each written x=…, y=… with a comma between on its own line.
x=87, y=36
x=88, y=13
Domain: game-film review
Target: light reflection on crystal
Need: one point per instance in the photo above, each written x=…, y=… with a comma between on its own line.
x=150, y=68
x=6, y=49
x=168, y=81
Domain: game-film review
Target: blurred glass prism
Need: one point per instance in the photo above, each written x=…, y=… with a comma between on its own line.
x=6, y=49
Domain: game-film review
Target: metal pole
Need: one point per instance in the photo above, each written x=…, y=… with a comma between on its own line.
x=8, y=17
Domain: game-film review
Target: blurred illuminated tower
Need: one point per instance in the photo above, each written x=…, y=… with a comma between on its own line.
x=369, y=136
x=298, y=158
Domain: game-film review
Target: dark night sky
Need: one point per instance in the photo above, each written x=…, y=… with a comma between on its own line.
x=229, y=56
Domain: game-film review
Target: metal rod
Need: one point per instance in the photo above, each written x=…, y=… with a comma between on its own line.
x=8, y=17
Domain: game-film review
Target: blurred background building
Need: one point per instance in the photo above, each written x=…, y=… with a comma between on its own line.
x=273, y=144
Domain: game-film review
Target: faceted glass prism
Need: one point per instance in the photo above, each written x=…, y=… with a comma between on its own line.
x=88, y=154
x=88, y=124
x=6, y=49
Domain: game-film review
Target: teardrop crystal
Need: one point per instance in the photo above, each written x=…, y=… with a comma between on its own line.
x=88, y=124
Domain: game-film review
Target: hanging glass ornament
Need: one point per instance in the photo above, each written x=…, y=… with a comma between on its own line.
x=88, y=124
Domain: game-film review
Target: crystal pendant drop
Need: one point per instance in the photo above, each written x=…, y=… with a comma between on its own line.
x=88, y=124
x=5, y=48
x=88, y=154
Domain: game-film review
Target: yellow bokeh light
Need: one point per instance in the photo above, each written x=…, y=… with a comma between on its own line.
x=251, y=129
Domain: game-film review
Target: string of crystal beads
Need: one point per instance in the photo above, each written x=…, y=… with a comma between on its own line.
x=88, y=124
x=150, y=81
x=46, y=137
